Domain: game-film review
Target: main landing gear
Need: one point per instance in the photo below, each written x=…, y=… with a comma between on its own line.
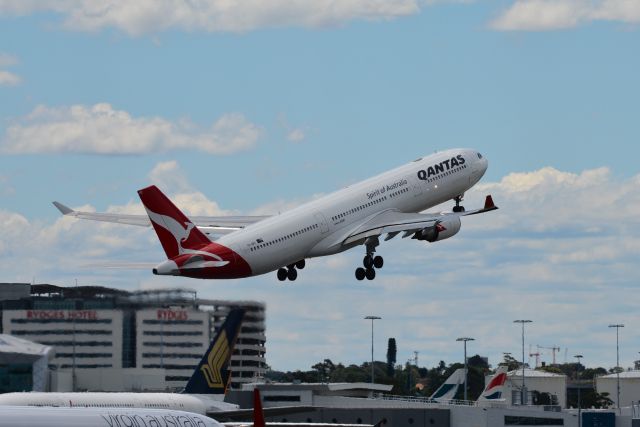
x=458, y=207
x=290, y=272
x=370, y=262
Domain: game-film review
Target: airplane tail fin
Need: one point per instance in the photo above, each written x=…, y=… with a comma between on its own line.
x=212, y=374
x=258, y=414
x=495, y=388
x=449, y=388
x=175, y=231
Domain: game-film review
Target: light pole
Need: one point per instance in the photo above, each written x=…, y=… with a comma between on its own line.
x=464, y=340
x=617, y=326
x=578, y=356
x=522, y=391
x=372, y=318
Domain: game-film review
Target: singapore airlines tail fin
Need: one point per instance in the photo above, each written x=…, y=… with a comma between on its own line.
x=175, y=231
x=212, y=374
x=494, y=391
x=449, y=388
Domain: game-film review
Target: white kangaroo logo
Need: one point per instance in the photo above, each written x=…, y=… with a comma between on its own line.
x=182, y=235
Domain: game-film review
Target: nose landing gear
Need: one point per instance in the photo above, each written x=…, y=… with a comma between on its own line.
x=290, y=271
x=458, y=207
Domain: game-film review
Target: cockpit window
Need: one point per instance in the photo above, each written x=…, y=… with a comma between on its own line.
x=479, y=155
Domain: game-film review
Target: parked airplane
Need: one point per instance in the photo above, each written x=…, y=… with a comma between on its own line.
x=202, y=395
x=494, y=391
x=449, y=388
x=24, y=416
x=356, y=215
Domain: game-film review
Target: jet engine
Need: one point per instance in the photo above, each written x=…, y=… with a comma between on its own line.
x=441, y=230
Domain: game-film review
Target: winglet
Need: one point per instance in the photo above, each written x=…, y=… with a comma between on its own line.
x=258, y=415
x=488, y=203
x=65, y=210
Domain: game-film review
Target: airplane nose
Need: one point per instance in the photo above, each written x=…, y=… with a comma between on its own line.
x=484, y=164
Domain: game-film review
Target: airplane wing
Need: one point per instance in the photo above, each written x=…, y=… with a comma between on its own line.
x=393, y=222
x=207, y=224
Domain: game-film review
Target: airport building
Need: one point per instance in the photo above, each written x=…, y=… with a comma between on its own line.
x=108, y=339
x=629, y=387
x=554, y=385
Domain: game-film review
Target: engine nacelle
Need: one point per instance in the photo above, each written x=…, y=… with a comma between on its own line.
x=442, y=230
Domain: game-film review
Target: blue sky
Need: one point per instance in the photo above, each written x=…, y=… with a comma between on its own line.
x=261, y=106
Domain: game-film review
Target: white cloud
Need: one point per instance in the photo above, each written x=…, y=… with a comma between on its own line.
x=148, y=16
x=542, y=15
x=6, y=188
x=7, y=78
x=7, y=60
x=101, y=129
x=296, y=135
x=561, y=250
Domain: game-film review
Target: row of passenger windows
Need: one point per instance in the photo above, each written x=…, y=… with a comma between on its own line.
x=359, y=208
x=397, y=193
x=283, y=238
x=446, y=173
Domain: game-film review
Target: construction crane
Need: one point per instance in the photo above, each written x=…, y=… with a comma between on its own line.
x=537, y=355
x=553, y=351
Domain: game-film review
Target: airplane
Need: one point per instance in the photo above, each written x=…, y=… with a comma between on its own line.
x=360, y=214
x=494, y=390
x=29, y=416
x=208, y=382
x=450, y=387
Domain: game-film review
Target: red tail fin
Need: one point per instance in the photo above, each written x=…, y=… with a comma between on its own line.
x=258, y=415
x=175, y=231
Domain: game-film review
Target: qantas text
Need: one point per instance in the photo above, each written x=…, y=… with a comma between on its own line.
x=441, y=167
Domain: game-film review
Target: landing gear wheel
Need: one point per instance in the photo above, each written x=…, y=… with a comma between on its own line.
x=367, y=261
x=292, y=274
x=458, y=207
x=360, y=273
x=370, y=274
x=300, y=264
x=282, y=274
x=378, y=262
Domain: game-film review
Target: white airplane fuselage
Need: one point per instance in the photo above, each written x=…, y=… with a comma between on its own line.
x=24, y=416
x=198, y=404
x=329, y=219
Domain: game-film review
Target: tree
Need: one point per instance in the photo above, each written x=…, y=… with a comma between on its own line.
x=391, y=356
x=511, y=363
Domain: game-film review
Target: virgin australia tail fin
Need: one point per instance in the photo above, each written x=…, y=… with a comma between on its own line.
x=449, y=388
x=175, y=231
x=212, y=374
x=495, y=388
x=258, y=413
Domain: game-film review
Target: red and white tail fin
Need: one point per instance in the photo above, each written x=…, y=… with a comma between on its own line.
x=175, y=231
x=258, y=414
x=495, y=389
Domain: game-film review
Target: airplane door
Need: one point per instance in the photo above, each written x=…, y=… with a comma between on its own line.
x=415, y=183
x=322, y=222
